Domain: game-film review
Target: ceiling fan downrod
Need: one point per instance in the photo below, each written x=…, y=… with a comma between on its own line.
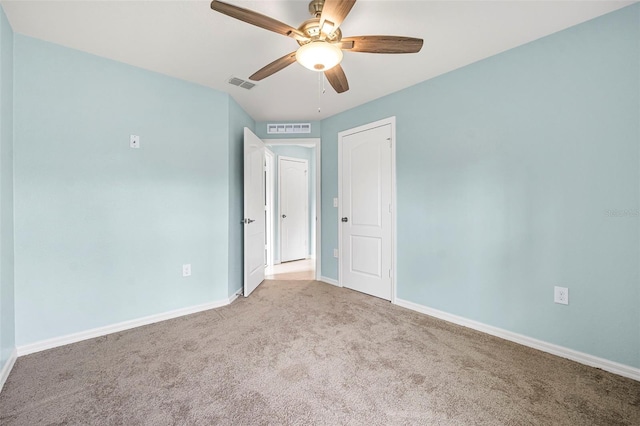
x=315, y=8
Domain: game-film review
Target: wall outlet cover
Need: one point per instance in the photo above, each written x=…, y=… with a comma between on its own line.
x=186, y=270
x=561, y=295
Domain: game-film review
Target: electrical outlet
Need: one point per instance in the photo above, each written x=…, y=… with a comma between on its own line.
x=335, y=253
x=186, y=270
x=134, y=141
x=561, y=295
x=335, y=202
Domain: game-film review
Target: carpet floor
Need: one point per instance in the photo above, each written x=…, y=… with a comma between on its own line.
x=304, y=352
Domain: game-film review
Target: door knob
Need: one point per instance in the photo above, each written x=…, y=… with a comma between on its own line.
x=284, y=215
x=248, y=221
x=345, y=219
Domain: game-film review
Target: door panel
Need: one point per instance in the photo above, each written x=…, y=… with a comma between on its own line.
x=294, y=209
x=254, y=219
x=366, y=193
x=365, y=185
x=366, y=254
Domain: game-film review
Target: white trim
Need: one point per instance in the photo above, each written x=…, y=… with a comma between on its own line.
x=121, y=326
x=328, y=280
x=306, y=142
x=6, y=370
x=561, y=351
x=317, y=144
x=233, y=297
x=394, y=249
x=270, y=187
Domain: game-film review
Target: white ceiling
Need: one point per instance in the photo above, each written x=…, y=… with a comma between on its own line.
x=187, y=40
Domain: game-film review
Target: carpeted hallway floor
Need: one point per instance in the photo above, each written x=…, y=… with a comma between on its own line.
x=303, y=352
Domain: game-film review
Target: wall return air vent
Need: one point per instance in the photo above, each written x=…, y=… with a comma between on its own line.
x=289, y=128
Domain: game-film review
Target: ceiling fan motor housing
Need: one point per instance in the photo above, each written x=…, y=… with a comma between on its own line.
x=311, y=29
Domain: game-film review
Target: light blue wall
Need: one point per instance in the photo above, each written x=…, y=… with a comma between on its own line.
x=508, y=171
x=305, y=154
x=7, y=315
x=261, y=130
x=238, y=120
x=102, y=230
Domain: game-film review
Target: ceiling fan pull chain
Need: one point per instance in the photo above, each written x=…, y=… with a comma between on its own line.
x=320, y=89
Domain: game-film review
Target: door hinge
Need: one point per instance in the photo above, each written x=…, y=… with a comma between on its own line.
x=390, y=209
x=390, y=274
x=390, y=142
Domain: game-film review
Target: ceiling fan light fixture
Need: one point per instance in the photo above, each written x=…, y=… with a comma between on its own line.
x=319, y=55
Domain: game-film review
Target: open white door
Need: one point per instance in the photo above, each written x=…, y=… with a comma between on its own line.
x=254, y=220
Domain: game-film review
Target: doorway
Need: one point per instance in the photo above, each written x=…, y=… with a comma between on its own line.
x=295, y=252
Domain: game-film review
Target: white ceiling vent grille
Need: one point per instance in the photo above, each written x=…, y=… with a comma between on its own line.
x=289, y=128
x=241, y=83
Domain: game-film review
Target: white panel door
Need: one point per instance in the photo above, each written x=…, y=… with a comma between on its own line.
x=294, y=208
x=366, y=221
x=254, y=220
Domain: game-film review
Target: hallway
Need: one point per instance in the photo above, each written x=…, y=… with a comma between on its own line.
x=296, y=270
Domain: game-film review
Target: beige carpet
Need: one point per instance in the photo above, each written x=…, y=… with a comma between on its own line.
x=309, y=353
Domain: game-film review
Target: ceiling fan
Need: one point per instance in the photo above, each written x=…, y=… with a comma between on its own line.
x=320, y=39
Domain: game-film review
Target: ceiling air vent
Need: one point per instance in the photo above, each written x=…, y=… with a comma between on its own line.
x=241, y=83
x=289, y=128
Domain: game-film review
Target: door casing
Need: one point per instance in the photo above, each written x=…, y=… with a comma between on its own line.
x=269, y=190
x=310, y=143
x=386, y=121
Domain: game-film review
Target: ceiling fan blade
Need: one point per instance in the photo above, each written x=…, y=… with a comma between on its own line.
x=274, y=67
x=384, y=44
x=335, y=11
x=345, y=45
x=257, y=19
x=337, y=79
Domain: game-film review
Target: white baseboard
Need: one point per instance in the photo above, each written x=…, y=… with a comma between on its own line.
x=121, y=326
x=561, y=351
x=234, y=296
x=330, y=281
x=6, y=369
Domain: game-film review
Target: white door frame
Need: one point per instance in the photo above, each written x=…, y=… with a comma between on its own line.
x=270, y=183
x=341, y=135
x=306, y=201
x=310, y=143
